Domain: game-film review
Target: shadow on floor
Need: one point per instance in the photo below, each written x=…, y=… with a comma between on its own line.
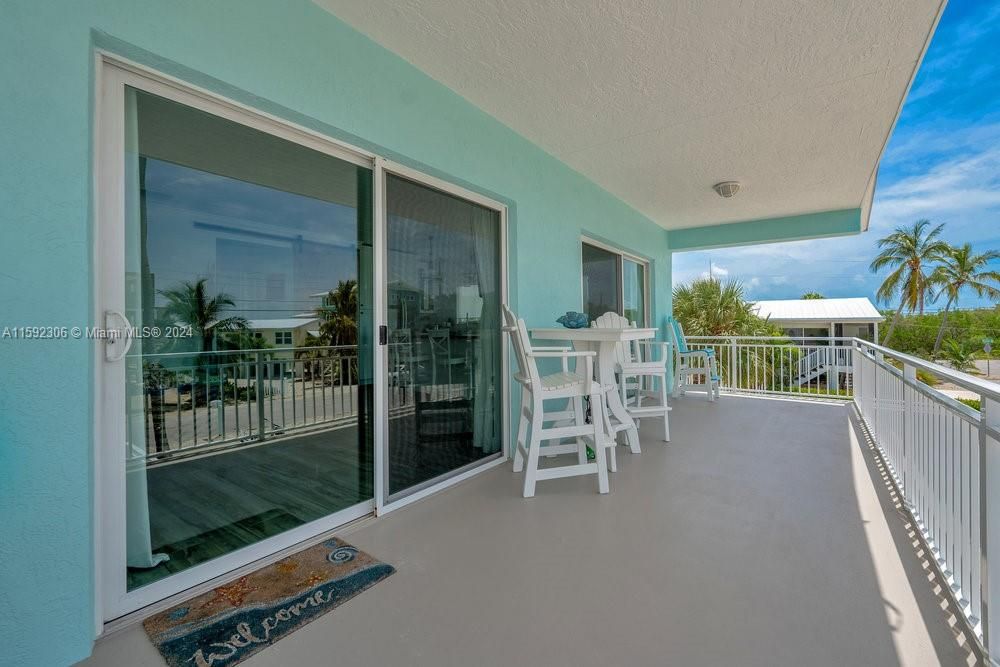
x=939, y=614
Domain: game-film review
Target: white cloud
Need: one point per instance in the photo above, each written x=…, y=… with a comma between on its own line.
x=718, y=272
x=949, y=190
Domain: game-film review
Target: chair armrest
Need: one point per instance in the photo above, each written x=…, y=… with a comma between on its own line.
x=538, y=348
x=653, y=344
x=566, y=355
x=706, y=353
x=557, y=354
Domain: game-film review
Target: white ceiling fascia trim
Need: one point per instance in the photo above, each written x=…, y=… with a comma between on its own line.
x=869, y=196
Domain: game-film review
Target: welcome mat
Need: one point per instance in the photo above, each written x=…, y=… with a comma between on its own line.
x=230, y=623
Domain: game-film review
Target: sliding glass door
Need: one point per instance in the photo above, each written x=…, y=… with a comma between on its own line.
x=443, y=296
x=238, y=412
x=238, y=273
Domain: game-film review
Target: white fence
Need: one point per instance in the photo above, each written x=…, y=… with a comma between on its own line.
x=945, y=459
x=820, y=367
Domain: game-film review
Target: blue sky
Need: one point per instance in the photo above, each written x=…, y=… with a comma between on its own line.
x=942, y=163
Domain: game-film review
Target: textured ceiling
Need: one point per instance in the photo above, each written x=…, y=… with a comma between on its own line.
x=657, y=101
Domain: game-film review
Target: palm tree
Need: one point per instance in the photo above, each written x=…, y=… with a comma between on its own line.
x=960, y=270
x=708, y=307
x=190, y=304
x=909, y=252
x=958, y=356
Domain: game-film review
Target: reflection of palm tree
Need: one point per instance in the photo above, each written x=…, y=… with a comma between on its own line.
x=339, y=315
x=338, y=326
x=156, y=379
x=190, y=304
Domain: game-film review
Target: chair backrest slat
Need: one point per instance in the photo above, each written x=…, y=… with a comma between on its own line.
x=514, y=326
x=677, y=333
x=624, y=352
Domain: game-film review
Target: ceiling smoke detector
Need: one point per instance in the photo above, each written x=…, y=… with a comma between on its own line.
x=727, y=189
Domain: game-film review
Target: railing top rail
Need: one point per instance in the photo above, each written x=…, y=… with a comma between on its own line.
x=739, y=338
x=983, y=387
x=266, y=350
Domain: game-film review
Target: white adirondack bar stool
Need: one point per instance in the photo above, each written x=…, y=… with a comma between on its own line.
x=564, y=424
x=638, y=369
x=693, y=364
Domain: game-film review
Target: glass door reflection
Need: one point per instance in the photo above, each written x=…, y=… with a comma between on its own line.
x=443, y=291
x=249, y=412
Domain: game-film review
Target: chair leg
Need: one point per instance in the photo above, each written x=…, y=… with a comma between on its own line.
x=580, y=420
x=666, y=407
x=612, y=447
x=601, y=441
x=522, y=433
x=530, y=475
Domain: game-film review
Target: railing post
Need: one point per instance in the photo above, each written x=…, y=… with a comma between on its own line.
x=989, y=517
x=909, y=375
x=733, y=379
x=259, y=384
x=856, y=376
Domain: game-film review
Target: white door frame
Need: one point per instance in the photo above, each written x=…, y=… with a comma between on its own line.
x=112, y=600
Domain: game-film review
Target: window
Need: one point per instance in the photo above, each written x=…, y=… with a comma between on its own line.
x=614, y=281
x=282, y=337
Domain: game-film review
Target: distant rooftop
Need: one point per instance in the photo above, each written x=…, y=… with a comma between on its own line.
x=282, y=323
x=857, y=309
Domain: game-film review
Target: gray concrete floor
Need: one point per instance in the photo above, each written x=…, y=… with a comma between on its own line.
x=763, y=534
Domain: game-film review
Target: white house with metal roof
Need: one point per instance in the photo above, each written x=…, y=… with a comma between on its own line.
x=808, y=318
x=286, y=332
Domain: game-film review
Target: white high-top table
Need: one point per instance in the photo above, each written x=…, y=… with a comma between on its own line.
x=604, y=342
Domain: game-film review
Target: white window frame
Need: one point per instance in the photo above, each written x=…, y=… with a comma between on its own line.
x=115, y=606
x=285, y=336
x=622, y=255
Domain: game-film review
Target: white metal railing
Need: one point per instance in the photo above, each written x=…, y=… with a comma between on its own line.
x=186, y=403
x=945, y=459
x=819, y=367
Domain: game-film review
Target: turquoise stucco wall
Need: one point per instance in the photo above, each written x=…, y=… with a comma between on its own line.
x=824, y=224
x=290, y=58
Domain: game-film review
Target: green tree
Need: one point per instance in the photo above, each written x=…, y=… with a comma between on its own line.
x=909, y=252
x=708, y=307
x=960, y=270
x=190, y=304
x=958, y=356
x=812, y=295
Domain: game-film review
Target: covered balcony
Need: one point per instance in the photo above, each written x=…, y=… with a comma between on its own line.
x=768, y=531
x=330, y=203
